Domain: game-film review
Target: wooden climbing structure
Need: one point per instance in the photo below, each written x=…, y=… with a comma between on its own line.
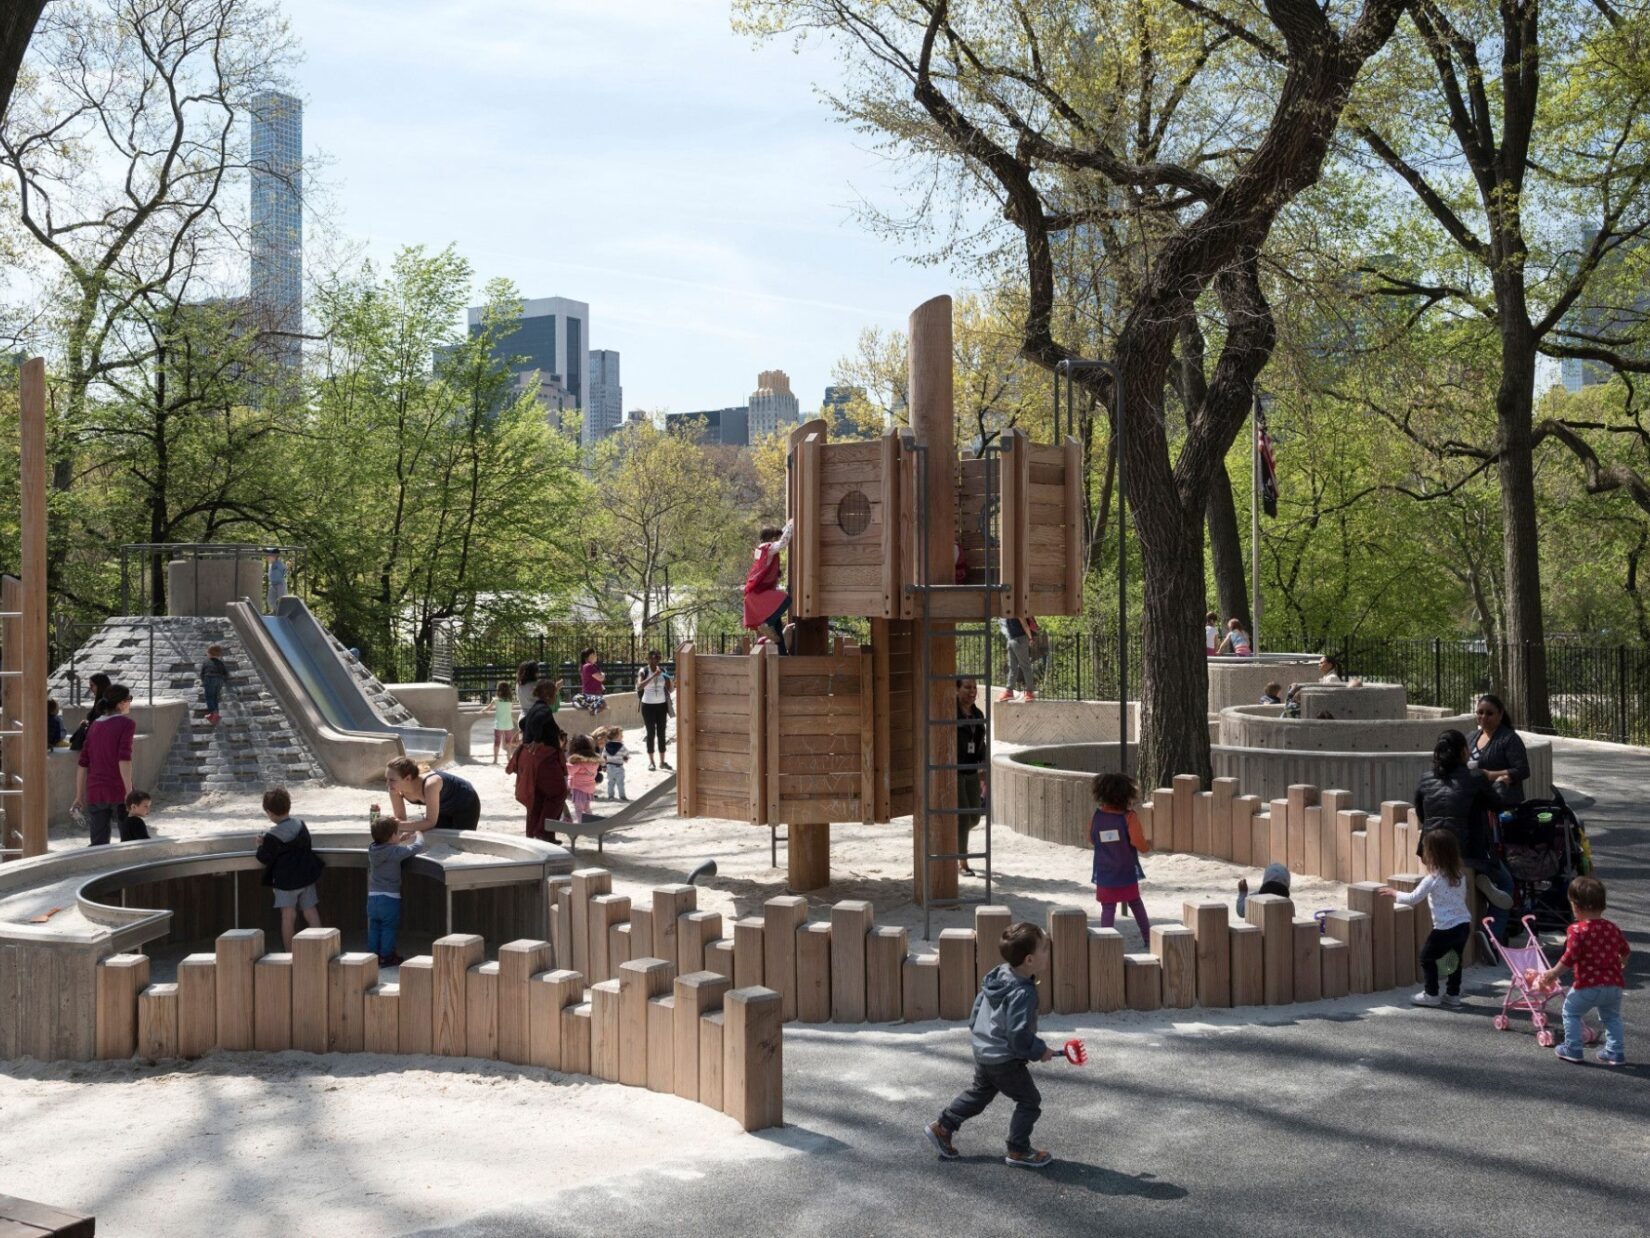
x=23, y=665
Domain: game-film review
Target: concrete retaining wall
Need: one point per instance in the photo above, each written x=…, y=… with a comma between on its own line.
x=1060, y=722
x=1263, y=726
x=1052, y=804
x=1366, y=702
x=157, y=725
x=1239, y=681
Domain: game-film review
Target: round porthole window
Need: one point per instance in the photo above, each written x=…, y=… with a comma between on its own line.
x=853, y=513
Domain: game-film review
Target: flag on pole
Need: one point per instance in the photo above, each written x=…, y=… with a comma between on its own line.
x=1268, y=465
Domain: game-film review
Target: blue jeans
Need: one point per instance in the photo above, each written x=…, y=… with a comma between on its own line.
x=1607, y=1000
x=213, y=688
x=383, y=922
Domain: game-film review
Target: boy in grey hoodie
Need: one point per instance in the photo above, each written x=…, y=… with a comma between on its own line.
x=388, y=852
x=1004, y=1026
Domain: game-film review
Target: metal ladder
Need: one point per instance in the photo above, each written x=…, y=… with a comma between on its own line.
x=926, y=590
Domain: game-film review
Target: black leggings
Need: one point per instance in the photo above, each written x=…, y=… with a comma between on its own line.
x=776, y=623
x=1440, y=942
x=653, y=719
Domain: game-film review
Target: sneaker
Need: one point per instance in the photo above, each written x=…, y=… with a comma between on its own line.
x=1612, y=1059
x=941, y=1139
x=1453, y=1001
x=1424, y=998
x=1031, y=696
x=390, y=960
x=1035, y=1158
x=1005, y=698
x=664, y=764
x=1564, y=1055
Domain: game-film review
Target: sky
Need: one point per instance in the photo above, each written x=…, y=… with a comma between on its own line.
x=635, y=154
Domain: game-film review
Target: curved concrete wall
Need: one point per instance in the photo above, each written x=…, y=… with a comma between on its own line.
x=1052, y=804
x=1240, y=681
x=1366, y=702
x=1060, y=722
x=1263, y=726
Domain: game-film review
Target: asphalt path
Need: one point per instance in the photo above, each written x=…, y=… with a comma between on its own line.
x=1365, y=1118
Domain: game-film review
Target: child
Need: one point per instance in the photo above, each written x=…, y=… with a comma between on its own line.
x=1211, y=632
x=591, y=681
x=1118, y=841
x=1004, y=1026
x=1445, y=889
x=616, y=755
x=290, y=864
x=582, y=764
x=136, y=826
x=1275, y=880
x=765, y=599
x=54, y=724
x=388, y=852
x=1272, y=694
x=504, y=721
x=1596, y=950
x=214, y=674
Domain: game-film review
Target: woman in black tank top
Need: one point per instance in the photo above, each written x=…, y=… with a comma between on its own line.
x=449, y=802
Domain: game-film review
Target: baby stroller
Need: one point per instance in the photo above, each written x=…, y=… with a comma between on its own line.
x=1526, y=963
x=1545, y=846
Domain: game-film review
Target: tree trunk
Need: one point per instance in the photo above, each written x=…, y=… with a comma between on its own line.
x=1523, y=629
x=17, y=22
x=1226, y=550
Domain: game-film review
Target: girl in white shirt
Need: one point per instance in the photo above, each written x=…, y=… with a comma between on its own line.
x=1445, y=890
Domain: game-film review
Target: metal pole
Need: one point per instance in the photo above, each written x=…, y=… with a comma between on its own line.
x=1254, y=525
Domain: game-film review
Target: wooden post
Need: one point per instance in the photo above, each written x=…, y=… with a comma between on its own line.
x=1223, y=792
x=813, y=973
x=957, y=984
x=197, y=1018
x=753, y=1058
x=349, y=976
x=1106, y=987
x=549, y=994
x=575, y=1035
x=418, y=1004
x=518, y=962
x=1176, y=946
x=990, y=923
x=1244, y=808
x=1277, y=840
x=605, y=911
x=697, y=994
x=1301, y=797
x=120, y=978
x=1393, y=813
x=710, y=1058
x=1260, y=838
x=694, y=931
x=1312, y=865
x=1330, y=806
x=1274, y=915
x=661, y=1042
x=1248, y=964
x=1423, y=913
x=719, y=956
x=1202, y=822
x=1347, y=822
x=605, y=1030
x=920, y=987
x=618, y=944
x=850, y=924
x=1208, y=922
x=238, y=952
x=748, y=952
x=1068, y=930
x=381, y=1012
x=26, y=637
x=687, y=779
x=933, y=423
x=157, y=1021
x=1185, y=790
x=1308, y=965
x=670, y=903
x=640, y=981
x=481, y=1011
x=1362, y=897
x=455, y=954
x=884, y=963
x=1355, y=929
x=781, y=917
x=559, y=891
x=313, y=950
x=641, y=934
x=1143, y=981
x=588, y=883
x=1403, y=946
x=272, y=1003
x=1332, y=958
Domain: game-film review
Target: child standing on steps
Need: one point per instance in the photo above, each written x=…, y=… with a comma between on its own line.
x=1119, y=841
x=390, y=849
x=214, y=674
x=504, y=721
x=582, y=764
x=1004, y=1027
x=1445, y=889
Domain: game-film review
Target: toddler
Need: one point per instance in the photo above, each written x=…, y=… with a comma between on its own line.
x=214, y=674
x=1445, y=889
x=389, y=850
x=1597, y=952
x=290, y=864
x=1118, y=841
x=582, y=764
x=1004, y=1026
x=616, y=754
x=504, y=721
x=138, y=805
x=54, y=724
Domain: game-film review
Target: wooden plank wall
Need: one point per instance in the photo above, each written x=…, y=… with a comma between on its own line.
x=894, y=672
x=850, y=572
x=821, y=770
x=721, y=739
x=1050, y=528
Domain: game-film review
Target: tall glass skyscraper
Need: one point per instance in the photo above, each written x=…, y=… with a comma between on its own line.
x=278, y=224
x=553, y=339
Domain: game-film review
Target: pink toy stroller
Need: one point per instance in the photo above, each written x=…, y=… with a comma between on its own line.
x=1525, y=964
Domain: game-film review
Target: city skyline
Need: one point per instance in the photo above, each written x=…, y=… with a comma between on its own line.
x=717, y=242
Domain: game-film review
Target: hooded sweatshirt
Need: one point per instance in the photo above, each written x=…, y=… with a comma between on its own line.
x=1004, y=1022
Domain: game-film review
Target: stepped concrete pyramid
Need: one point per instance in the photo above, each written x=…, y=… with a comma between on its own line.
x=254, y=745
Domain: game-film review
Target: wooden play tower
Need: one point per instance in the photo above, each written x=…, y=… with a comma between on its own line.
x=23, y=670
x=842, y=733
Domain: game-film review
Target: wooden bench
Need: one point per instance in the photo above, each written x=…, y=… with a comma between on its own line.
x=21, y=1218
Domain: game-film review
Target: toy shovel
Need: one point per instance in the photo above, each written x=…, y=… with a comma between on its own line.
x=1076, y=1053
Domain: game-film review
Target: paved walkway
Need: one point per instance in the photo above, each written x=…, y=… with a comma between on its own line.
x=1383, y=1121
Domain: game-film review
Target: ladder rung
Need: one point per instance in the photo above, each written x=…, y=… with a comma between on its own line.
x=11, y=614
x=955, y=722
x=11, y=674
x=932, y=769
x=957, y=812
x=956, y=855
x=12, y=790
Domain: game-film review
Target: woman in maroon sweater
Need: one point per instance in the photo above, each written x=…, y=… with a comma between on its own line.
x=105, y=773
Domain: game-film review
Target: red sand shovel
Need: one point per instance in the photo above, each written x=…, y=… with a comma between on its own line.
x=1075, y=1053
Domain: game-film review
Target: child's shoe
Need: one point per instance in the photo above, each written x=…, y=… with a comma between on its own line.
x=1005, y=698
x=391, y=960
x=1035, y=1158
x=1611, y=1059
x=1030, y=696
x=941, y=1139
x=1424, y=998
x=1453, y=1001
x=1563, y=1054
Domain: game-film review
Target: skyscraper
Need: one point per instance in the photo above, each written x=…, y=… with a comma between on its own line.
x=554, y=339
x=772, y=405
x=605, y=408
x=278, y=225
x=837, y=410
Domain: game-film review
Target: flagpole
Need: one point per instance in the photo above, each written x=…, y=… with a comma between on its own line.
x=1254, y=523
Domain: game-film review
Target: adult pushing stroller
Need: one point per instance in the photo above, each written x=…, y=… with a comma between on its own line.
x=1545, y=846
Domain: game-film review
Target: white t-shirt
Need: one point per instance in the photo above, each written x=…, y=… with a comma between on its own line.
x=1447, y=902
x=1211, y=636
x=653, y=691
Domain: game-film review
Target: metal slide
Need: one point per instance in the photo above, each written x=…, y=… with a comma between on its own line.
x=304, y=644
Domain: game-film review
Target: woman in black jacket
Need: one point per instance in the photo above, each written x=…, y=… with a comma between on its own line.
x=1497, y=751
x=1461, y=800
x=540, y=765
